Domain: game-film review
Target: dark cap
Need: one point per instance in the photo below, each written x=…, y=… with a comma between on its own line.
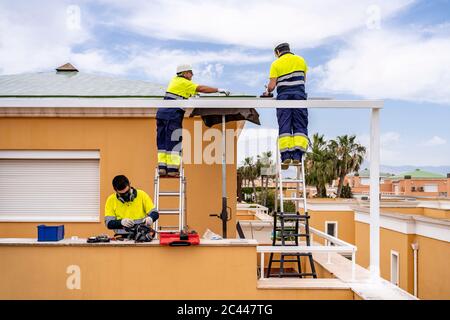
x=282, y=47
x=120, y=182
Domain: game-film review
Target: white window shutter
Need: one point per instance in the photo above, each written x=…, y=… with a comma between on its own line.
x=49, y=190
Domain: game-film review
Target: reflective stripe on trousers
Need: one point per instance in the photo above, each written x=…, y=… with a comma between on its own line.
x=293, y=129
x=168, y=136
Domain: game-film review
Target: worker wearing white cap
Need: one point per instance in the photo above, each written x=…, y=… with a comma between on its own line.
x=168, y=120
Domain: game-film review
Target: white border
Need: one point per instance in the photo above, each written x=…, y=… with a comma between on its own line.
x=395, y=253
x=203, y=102
x=335, y=229
x=421, y=226
x=49, y=154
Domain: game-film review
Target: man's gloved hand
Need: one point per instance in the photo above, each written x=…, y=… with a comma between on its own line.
x=266, y=94
x=224, y=91
x=148, y=221
x=127, y=223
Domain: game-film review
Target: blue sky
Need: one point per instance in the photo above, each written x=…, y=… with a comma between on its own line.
x=396, y=50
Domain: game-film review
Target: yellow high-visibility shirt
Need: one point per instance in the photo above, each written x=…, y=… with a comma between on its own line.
x=287, y=64
x=136, y=209
x=182, y=87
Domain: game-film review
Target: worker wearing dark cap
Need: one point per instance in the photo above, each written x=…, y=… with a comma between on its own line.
x=288, y=76
x=128, y=206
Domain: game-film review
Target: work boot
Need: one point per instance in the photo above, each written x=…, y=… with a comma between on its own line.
x=297, y=157
x=162, y=172
x=285, y=164
x=173, y=174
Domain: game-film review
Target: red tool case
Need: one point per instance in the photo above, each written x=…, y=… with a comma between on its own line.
x=173, y=239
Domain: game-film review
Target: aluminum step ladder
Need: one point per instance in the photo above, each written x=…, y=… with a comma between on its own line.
x=287, y=225
x=180, y=193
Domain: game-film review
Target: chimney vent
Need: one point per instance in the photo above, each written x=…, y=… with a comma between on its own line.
x=67, y=68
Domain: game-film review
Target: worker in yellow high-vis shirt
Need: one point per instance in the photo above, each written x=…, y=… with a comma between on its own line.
x=128, y=206
x=288, y=76
x=169, y=120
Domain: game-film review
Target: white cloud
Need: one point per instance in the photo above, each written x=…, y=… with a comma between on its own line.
x=251, y=23
x=399, y=150
x=34, y=37
x=254, y=141
x=435, y=141
x=159, y=64
x=411, y=65
x=253, y=79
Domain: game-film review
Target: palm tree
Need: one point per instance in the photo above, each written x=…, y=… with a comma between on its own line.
x=320, y=165
x=250, y=172
x=348, y=157
x=264, y=164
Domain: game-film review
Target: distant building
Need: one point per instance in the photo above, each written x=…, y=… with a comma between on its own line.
x=417, y=183
x=414, y=238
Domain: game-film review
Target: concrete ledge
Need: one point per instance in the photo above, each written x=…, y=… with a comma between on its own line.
x=284, y=283
x=23, y=242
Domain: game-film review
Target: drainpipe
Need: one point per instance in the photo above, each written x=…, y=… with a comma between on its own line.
x=415, y=247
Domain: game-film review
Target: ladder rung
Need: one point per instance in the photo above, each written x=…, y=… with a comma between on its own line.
x=169, y=211
x=293, y=274
x=285, y=235
x=292, y=214
x=294, y=217
x=292, y=180
x=291, y=164
x=169, y=193
x=292, y=198
x=169, y=177
x=298, y=254
x=285, y=260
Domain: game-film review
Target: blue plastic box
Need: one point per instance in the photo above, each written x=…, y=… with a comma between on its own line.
x=50, y=233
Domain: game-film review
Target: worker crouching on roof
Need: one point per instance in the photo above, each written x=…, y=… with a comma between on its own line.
x=128, y=206
x=169, y=120
x=288, y=76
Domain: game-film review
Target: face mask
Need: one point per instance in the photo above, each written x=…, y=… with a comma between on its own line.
x=125, y=196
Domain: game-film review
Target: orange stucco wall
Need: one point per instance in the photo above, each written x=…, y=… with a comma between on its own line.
x=389, y=240
x=433, y=268
x=362, y=242
x=225, y=272
x=433, y=260
x=127, y=146
x=404, y=186
x=345, y=220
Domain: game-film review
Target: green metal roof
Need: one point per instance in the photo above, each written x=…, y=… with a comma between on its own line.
x=419, y=174
x=75, y=84
x=366, y=174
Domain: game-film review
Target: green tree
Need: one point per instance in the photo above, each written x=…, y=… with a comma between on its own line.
x=250, y=172
x=348, y=157
x=346, y=192
x=289, y=206
x=264, y=165
x=320, y=165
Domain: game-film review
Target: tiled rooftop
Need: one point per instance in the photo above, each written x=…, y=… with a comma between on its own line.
x=75, y=84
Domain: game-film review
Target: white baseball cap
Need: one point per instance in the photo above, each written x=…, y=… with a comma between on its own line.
x=184, y=67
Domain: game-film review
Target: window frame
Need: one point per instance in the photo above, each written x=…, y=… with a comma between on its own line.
x=53, y=155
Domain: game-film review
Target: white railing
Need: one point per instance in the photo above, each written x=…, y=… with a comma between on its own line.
x=239, y=102
x=340, y=246
x=256, y=208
